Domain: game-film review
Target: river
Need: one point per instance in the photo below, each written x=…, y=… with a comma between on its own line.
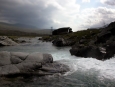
x=84, y=72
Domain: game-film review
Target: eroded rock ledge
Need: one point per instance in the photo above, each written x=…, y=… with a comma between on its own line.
x=25, y=64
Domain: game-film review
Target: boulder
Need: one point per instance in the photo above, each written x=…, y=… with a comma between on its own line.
x=5, y=41
x=88, y=51
x=59, y=42
x=29, y=64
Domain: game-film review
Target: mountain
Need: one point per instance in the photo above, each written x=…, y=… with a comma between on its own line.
x=24, y=26
x=6, y=27
x=18, y=25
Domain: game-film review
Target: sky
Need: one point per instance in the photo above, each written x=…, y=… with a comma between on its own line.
x=44, y=14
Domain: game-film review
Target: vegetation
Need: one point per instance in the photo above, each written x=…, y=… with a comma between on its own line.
x=87, y=34
x=16, y=33
x=11, y=30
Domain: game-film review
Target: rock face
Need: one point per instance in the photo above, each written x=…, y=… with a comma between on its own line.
x=5, y=41
x=25, y=64
x=60, y=42
x=101, y=47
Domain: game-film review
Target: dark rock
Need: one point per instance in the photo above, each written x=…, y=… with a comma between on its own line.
x=59, y=42
x=102, y=47
x=110, y=51
x=61, y=31
x=87, y=51
x=103, y=37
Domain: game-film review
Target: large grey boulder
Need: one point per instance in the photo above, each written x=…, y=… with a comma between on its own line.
x=5, y=41
x=19, y=63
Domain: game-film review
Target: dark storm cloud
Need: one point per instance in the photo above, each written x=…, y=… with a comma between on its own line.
x=27, y=12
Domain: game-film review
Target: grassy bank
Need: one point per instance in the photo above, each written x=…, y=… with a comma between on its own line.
x=75, y=36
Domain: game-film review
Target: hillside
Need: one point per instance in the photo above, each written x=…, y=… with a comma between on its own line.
x=13, y=29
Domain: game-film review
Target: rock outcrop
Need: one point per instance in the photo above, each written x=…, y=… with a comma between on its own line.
x=60, y=42
x=5, y=41
x=25, y=64
x=101, y=47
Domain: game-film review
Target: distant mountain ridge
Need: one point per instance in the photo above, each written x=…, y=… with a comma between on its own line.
x=23, y=28
x=18, y=25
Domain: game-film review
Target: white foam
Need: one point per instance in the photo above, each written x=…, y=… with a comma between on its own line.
x=106, y=68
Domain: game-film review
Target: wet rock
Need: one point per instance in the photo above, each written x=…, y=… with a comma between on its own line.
x=4, y=58
x=102, y=47
x=55, y=67
x=87, y=51
x=25, y=64
x=5, y=41
x=59, y=42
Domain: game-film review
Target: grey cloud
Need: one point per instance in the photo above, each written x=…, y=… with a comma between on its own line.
x=33, y=14
x=100, y=17
x=110, y=2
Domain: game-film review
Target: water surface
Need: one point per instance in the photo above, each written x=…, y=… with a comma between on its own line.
x=85, y=72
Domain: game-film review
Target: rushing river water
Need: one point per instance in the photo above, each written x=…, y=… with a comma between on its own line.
x=85, y=72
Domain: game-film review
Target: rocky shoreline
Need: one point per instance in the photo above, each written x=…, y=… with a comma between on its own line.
x=102, y=47
x=14, y=64
x=5, y=41
x=95, y=43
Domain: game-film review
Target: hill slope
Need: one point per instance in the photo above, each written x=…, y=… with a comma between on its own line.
x=13, y=29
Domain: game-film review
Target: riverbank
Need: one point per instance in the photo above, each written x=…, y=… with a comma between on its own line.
x=86, y=72
x=96, y=43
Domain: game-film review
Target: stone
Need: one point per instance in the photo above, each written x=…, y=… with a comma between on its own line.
x=13, y=64
x=28, y=67
x=4, y=58
x=8, y=70
x=15, y=60
x=5, y=41
x=20, y=55
x=55, y=67
x=34, y=57
x=47, y=58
